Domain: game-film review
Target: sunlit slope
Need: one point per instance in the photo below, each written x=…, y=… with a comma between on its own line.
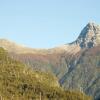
x=18, y=82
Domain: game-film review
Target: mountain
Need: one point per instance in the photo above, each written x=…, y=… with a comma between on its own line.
x=76, y=65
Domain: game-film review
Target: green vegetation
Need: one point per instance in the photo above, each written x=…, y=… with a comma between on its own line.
x=18, y=82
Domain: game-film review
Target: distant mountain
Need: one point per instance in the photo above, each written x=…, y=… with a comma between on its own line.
x=89, y=36
x=76, y=65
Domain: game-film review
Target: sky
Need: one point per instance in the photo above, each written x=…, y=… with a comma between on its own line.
x=46, y=23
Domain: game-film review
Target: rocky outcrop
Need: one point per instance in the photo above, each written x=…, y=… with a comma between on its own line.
x=89, y=36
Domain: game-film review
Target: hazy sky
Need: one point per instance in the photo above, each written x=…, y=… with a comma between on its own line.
x=46, y=23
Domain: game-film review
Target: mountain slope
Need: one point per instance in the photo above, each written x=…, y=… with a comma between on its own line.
x=85, y=73
x=18, y=82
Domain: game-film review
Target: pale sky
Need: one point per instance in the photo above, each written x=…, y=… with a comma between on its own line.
x=46, y=23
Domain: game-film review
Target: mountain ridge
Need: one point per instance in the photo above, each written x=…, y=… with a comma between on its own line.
x=89, y=37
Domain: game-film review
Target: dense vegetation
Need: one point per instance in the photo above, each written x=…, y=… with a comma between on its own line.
x=18, y=82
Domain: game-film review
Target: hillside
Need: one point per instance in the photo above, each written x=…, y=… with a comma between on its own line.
x=18, y=82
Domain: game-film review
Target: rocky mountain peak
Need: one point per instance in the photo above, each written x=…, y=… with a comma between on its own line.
x=89, y=36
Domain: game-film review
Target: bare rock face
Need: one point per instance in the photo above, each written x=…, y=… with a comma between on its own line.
x=89, y=36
